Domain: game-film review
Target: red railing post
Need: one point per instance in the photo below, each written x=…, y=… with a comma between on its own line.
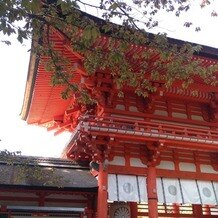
x=133, y=209
x=197, y=210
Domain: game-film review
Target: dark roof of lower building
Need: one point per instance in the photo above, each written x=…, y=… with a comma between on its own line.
x=45, y=172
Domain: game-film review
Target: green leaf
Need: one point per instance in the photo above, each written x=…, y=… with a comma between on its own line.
x=113, y=7
x=6, y=42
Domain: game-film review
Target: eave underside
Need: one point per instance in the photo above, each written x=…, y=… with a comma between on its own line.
x=43, y=102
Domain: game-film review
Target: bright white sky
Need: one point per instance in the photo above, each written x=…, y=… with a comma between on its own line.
x=16, y=135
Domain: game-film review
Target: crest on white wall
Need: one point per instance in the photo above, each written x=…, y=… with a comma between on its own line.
x=127, y=188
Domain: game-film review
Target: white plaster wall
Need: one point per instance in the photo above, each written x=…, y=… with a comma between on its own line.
x=189, y=167
x=207, y=169
x=166, y=165
x=119, y=161
x=136, y=162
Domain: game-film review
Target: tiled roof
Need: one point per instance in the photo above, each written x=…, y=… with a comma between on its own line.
x=48, y=172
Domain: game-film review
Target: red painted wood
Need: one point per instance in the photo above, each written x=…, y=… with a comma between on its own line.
x=152, y=192
x=197, y=210
x=133, y=209
x=102, y=208
x=137, y=115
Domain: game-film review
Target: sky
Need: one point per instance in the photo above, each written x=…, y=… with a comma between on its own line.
x=17, y=135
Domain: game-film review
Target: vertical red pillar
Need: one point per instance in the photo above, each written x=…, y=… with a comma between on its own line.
x=102, y=208
x=206, y=210
x=152, y=192
x=176, y=210
x=41, y=199
x=133, y=209
x=197, y=210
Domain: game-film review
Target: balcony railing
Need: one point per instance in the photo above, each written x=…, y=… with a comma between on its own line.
x=113, y=125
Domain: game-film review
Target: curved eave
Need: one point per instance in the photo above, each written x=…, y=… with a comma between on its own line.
x=206, y=51
x=35, y=80
x=30, y=82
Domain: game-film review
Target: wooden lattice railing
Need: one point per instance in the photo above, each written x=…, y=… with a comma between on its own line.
x=178, y=210
x=149, y=129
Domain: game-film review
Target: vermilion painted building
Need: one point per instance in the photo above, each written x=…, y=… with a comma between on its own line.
x=153, y=157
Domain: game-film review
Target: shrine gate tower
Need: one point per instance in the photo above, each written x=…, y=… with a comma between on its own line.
x=153, y=157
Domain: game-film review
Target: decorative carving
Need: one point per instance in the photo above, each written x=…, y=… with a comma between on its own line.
x=120, y=210
x=84, y=149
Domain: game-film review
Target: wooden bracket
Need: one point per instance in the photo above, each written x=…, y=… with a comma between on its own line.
x=154, y=149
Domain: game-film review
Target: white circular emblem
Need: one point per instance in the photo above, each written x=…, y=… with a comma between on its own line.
x=172, y=190
x=127, y=188
x=206, y=192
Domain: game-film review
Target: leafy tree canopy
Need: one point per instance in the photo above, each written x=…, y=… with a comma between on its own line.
x=37, y=19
